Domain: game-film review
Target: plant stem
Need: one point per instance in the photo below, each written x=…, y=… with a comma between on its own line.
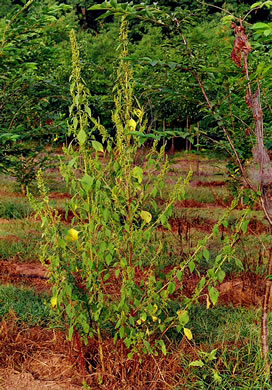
x=81, y=359
x=101, y=354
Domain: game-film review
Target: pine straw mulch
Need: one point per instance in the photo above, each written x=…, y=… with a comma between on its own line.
x=36, y=358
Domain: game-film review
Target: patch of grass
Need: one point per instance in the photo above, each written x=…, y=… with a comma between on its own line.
x=234, y=335
x=20, y=251
x=15, y=209
x=20, y=239
x=27, y=305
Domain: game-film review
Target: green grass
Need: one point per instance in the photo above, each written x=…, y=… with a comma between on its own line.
x=15, y=209
x=235, y=335
x=27, y=305
x=20, y=240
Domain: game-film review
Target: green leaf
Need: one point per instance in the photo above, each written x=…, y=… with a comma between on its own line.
x=108, y=259
x=97, y=146
x=225, y=223
x=191, y=266
x=179, y=275
x=216, y=230
x=220, y=275
x=54, y=301
x=122, y=332
x=245, y=226
x=171, y=287
x=183, y=317
x=202, y=282
x=82, y=137
x=87, y=182
x=123, y=263
x=70, y=333
x=148, y=346
x=75, y=122
x=113, y=3
x=88, y=110
x=206, y=254
x=138, y=173
x=164, y=220
x=213, y=294
x=196, y=363
x=217, y=378
x=107, y=276
x=163, y=347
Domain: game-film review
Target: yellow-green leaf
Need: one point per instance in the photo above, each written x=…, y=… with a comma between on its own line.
x=132, y=124
x=72, y=235
x=54, y=301
x=188, y=333
x=82, y=137
x=138, y=173
x=146, y=216
x=97, y=146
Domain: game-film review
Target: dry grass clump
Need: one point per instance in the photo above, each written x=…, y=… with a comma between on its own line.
x=46, y=355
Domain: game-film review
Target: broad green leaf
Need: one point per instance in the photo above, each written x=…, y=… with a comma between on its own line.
x=113, y=3
x=171, y=287
x=213, y=294
x=97, y=146
x=138, y=173
x=225, y=223
x=220, y=275
x=191, y=266
x=88, y=110
x=245, y=226
x=179, y=275
x=206, y=254
x=87, y=182
x=108, y=259
x=183, y=317
x=82, y=137
x=122, y=332
x=148, y=346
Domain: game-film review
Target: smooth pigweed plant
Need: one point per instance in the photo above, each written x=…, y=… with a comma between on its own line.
x=104, y=266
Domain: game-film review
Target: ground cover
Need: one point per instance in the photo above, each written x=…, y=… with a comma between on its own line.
x=226, y=338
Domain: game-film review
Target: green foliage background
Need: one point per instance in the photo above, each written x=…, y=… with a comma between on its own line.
x=36, y=64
